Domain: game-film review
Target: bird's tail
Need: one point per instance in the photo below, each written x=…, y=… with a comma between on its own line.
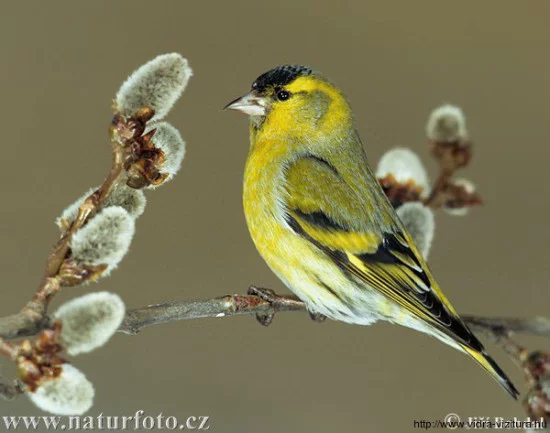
x=493, y=369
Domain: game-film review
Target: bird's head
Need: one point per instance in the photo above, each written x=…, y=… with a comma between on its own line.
x=295, y=100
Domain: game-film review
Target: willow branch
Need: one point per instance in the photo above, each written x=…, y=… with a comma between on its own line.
x=234, y=305
x=50, y=285
x=261, y=303
x=451, y=157
x=223, y=306
x=21, y=325
x=535, y=326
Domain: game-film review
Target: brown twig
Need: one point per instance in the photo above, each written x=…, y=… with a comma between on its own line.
x=445, y=192
x=22, y=324
x=223, y=306
x=13, y=326
x=127, y=140
x=535, y=325
x=264, y=303
x=8, y=349
x=32, y=317
x=500, y=330
x=451, y=157
x=234, y=305
x=50, y=284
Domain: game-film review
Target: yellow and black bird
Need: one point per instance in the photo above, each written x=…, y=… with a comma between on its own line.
x=319, y=218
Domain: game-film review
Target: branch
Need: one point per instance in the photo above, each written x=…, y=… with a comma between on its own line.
x=536, y=325
x=32, y=318
x=264, y=302
x=22, y=324
x=261, y=302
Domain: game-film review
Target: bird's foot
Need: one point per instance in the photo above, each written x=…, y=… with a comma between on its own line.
x=280, y=303
x=261, y=292
x=264, y=318
x=317, y=317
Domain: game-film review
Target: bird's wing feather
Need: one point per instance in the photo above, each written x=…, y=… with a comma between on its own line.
x=326, y=208
x=322, y=207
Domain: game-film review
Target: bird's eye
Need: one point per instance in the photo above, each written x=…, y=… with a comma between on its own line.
x=282, y=95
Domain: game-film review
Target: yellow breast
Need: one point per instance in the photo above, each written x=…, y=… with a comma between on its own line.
x=263, y=189
x=289, y=256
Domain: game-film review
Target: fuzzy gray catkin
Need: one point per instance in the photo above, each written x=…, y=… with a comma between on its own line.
x=157, y=84
x=404, y=165
x=419, y=222
x=69, y=394
x=89, y=321
x=168, y=139
x=105, y=239
x=446, y=123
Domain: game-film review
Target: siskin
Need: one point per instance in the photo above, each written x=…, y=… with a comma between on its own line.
x=322, y=223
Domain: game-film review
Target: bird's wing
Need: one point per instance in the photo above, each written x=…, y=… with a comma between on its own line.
x=321, y=207
x=365, y=239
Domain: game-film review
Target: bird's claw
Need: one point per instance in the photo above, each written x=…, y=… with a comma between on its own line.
x=265, y=319
x=317, y=317
x=268, y=295
x=278, y=303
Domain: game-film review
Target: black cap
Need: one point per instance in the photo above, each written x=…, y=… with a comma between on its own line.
x=280, y=76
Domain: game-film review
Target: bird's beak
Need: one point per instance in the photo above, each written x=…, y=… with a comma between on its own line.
x=250, y=104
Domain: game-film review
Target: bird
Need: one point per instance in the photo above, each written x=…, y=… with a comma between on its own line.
x=322, y=223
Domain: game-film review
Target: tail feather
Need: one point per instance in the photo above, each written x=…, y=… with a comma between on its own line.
x=493, y=369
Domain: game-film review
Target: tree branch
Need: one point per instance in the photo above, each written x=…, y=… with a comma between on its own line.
x=263, y=303
x=22, y=324
x=234, y=305
x=257, y=301
x=223, y=306
x=535, y=325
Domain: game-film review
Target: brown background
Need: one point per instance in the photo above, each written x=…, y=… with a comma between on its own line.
x=62, y=63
